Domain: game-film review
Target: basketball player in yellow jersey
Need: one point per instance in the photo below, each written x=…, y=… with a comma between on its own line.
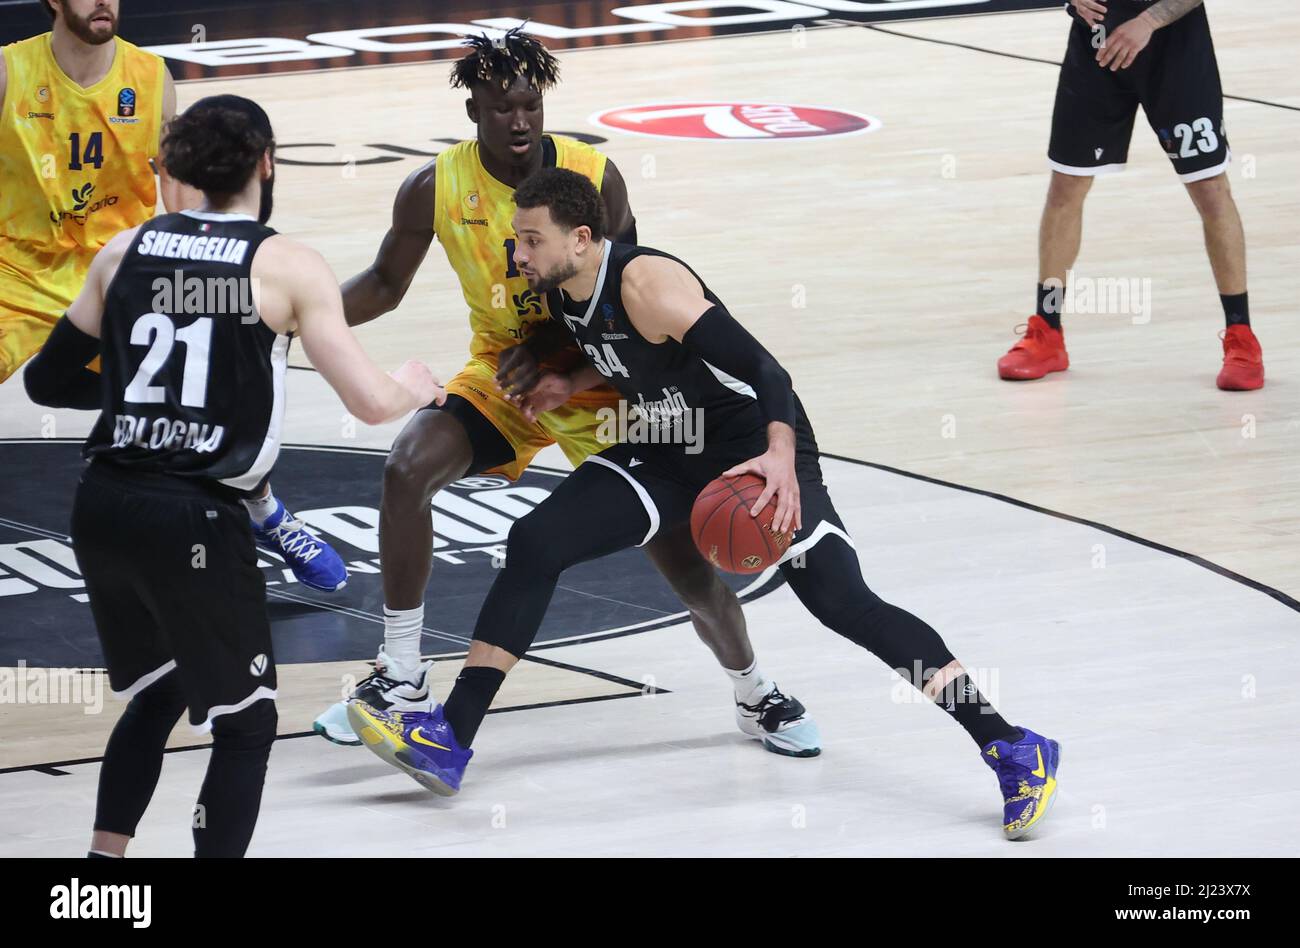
x=80, y=125
x=465, y=198
x=76, y=102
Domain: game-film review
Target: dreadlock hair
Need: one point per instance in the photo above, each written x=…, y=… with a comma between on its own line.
x=505, y=60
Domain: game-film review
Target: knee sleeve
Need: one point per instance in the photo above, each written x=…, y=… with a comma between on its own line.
x=253, y=728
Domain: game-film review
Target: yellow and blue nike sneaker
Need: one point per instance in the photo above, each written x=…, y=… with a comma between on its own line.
x=419, y=743
x=1026, y=772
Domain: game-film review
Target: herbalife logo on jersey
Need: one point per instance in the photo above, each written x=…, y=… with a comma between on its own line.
x=667, y=420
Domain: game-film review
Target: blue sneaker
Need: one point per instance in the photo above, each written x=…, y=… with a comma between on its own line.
x=782, y=724
x=312, y=560
x=421, y=744
x=1027, y=775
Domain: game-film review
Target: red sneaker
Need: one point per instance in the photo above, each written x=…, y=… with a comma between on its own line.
x=1243, y=361
x=1039, y=351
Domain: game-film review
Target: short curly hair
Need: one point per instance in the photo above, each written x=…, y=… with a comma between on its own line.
x=501, y=62
x=216, y=143
x=571, y=197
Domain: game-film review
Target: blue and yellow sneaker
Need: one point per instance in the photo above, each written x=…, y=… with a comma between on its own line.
x=781, y=723
x=1026, y=773
x=421, y=744
x=312, y=560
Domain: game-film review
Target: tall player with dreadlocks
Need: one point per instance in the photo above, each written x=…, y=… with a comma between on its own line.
x=465, y=198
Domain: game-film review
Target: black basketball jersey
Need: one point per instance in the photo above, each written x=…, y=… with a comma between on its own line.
x=193, y=380
x=662, y=381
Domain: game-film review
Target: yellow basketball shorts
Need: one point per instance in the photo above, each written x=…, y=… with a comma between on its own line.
x=27, y=317
x=574, y=426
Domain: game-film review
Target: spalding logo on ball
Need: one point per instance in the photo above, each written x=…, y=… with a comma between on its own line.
x=725, y=533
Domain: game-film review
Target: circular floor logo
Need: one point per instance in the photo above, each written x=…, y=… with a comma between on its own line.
x=735, y=121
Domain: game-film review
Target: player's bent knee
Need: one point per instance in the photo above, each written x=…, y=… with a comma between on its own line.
x=1068, y=190
x=165, y=698
x=413, y=473
x=249, y=729
x=534, y=546
x=1212, y=197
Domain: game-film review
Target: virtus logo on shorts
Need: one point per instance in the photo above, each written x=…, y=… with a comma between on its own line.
x=735, y=121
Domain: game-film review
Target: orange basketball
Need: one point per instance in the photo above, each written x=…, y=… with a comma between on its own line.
x=727, y=536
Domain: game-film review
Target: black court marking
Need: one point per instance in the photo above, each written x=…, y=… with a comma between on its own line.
x=337, y=489
x=639, y=690
x=53, y=768
x=1029, y=59
x=1288, y=601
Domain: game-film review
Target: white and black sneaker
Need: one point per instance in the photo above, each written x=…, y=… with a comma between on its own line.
x=379, y=691
x=781, y=723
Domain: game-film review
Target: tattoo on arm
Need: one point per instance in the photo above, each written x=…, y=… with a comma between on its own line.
x=1170, y=11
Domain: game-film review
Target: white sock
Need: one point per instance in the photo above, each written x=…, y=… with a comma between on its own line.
x=751, y=687
x=261, y=508
x=402, y=641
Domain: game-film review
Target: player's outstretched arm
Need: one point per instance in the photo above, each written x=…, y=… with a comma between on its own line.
x=313, y=298
x=381, y=286
x=57, y=375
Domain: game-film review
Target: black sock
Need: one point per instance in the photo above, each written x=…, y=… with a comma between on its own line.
x=969, y=708
x=94, y=855
x=470, y=699
x=1236, y=309
x=1049, y=304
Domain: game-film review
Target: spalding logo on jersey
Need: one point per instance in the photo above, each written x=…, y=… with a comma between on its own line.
x=46, y=621
x=738, y=121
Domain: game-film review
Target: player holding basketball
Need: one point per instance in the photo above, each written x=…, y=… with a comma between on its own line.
x=464, y=198
x=191, y=424
x=650, y=326
x=1157, y=54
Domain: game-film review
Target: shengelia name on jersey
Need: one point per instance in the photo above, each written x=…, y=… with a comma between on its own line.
x=162, y=243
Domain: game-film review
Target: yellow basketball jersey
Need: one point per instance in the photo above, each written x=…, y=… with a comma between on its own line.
x=472, y=221
x=74, y=162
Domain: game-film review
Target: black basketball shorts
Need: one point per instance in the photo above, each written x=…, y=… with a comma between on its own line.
x=174, y=587
x=1176, y=82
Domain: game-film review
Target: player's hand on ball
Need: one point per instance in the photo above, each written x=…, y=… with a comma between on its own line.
x=417, y=377
x=552, y=389
x=1092, y=11
x=517, y=371
x=1124, y=43
x=776, y=467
